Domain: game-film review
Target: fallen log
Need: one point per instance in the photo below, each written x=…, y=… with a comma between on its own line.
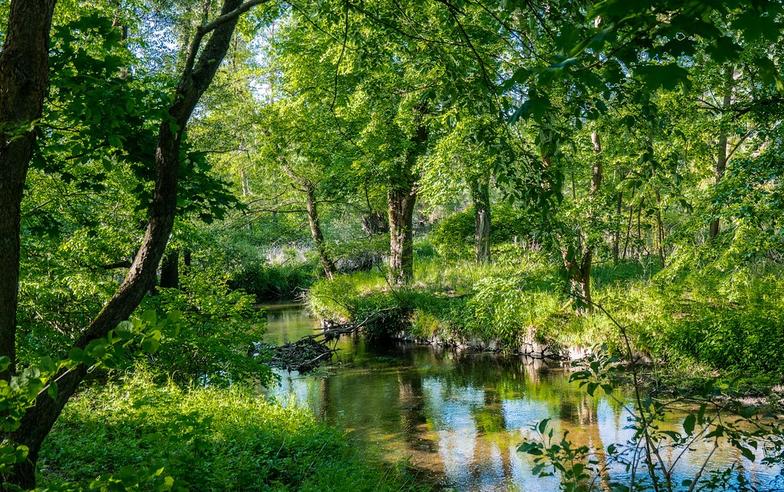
x=308, y=352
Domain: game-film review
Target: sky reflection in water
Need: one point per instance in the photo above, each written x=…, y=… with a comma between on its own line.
x=462, y=416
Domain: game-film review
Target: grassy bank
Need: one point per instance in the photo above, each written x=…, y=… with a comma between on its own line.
x=205, y=439
x=707, y=321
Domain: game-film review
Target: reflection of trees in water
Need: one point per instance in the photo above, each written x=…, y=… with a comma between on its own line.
x=412, y=407
x=466, y=411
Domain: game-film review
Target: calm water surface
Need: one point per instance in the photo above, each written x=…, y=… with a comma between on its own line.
x=461, y=416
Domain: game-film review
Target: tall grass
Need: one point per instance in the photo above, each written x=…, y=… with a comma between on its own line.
x=705, y=320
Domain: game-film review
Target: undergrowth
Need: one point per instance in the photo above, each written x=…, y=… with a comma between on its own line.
x=706, y=321
x=206, y=439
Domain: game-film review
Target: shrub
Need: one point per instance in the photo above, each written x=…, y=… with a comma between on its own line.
x=453, y=237
x=214, y=330
x=206, y=439
x=277, y=282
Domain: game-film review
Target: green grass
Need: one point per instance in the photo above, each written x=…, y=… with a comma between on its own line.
x=206, y=439
x=706, y=320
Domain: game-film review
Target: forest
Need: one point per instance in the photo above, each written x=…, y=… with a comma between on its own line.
x=360, y=245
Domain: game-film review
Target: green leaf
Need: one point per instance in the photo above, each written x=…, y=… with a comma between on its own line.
x=52, y=390
x=689, y=422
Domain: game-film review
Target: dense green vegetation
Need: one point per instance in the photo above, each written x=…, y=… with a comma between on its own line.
x=210, y=439
x=511, y=175
x=699, y=321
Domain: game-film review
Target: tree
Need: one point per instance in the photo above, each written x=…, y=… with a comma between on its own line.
x=24, y=75
x=29, y=30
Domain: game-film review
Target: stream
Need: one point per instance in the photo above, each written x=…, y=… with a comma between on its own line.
x=461, y=416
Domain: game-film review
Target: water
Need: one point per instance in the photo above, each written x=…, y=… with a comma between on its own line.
x=461, y=416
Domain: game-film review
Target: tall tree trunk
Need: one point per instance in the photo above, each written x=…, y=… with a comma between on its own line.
x=24, y=76
x=616, y=245
x=196, y=77
x=480, y=193
x=578, y=260
x=315, y=232
x=401, y=200
x=721, y=154
x=660, y=229
x=170, y=270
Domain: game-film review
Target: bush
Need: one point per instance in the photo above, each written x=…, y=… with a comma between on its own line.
x=206, y=439
x=278, y=282
x=214, y=332
x=453, y=237
x=704, y=320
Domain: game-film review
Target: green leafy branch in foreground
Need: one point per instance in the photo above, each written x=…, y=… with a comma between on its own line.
x=141, y=334
x=648, y=460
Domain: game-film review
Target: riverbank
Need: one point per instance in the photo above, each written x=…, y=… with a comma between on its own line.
x=518, y=304
x=166, y=437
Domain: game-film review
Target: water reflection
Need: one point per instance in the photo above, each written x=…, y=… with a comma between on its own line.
x=461, y=416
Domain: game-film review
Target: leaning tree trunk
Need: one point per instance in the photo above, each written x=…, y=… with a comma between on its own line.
x=401, y=201
x=315, y=232
x=480, y=194
x=196, y=77
x=24, y=76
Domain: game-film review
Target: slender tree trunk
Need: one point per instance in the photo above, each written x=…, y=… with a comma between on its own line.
x=480, y=193
x=24, y=76
x=170, y=270
x=660, y=229
x=197, y=76
x=315, y=231
x=721, y=154
x=401, y=202
x=245, y=182
x=616, y=246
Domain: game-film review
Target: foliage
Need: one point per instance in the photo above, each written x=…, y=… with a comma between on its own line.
x=453, y=236
x=274, y=282
x=213, y=335
x=206, y=438
x=648, y=460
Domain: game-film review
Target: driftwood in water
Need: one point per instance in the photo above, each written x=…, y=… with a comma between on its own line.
x=303, y=355
x=310, y=351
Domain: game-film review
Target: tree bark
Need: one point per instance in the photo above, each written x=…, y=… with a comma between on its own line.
x=480, y=193
x=616, y=246
x=660, y=230
x=721, y=154
x=196, y=77
x=315, y=231
x=401, y=200
x=170, y=270
x=24, y=77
